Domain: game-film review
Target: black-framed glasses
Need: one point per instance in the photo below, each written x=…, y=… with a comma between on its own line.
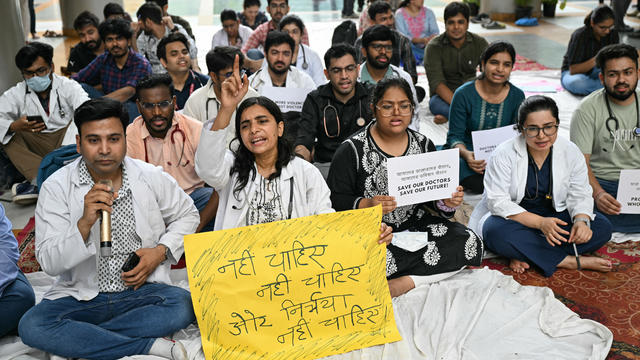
x=163, y=105
x=379, y=47
x=39, y=72
x=338, y=70
x=387, y=109
x=534, y=131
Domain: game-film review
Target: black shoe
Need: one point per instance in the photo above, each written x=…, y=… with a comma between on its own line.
x=625, y=29
x=420, y=93
x=481, y=18
x=352, y=16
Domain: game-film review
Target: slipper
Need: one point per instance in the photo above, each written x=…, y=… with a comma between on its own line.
x=51, y=33
x=494, y=25
x=481, y=18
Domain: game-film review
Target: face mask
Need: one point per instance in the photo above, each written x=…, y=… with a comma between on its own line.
x=39, y=83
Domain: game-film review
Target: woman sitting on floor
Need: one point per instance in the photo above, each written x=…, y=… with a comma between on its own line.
x=537, y=201
x=488, y=102
x=358, y=179
x=418, y=23
x=580, y=76
x=263, y=181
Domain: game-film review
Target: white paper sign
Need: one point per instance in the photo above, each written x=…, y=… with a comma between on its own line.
x=629, y=191
x=288, y=99
x=485, y=141
x=424, y=177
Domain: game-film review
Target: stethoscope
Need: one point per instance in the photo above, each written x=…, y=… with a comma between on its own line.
x=290, y=208
x=173, y=142
x=255, y=77
x=613, y=130
x=549, y=195
x=61, y=111
x=360, y=121
x=305, y=66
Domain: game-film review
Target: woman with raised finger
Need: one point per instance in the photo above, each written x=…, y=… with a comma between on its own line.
x=358, y=179
x=537, y=202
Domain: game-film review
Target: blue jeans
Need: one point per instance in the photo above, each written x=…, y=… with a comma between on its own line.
x=255, y=54
x=515, y=241
x=16, y=299
x=581, y=84
x=626, y=223
x=109, y=326
x=131, y=106
x=437, y=106
x=200, y=197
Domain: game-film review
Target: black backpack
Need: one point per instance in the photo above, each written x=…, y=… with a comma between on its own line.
x=345, y=33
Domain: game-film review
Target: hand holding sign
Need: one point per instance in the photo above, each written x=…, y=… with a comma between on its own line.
x=388, y=203
x=629, y=191
x=456, y=198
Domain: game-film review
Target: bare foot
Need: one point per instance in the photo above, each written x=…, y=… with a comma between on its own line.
x=440, y=119
x=400, y=285
x=518, y=266
x=587, y=262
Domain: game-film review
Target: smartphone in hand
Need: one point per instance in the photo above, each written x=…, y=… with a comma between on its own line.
x=36, y=118
x=131, y=262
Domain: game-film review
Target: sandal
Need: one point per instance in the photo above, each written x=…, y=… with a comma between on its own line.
x=51, y=33
x=493, y=25
x=481, y=18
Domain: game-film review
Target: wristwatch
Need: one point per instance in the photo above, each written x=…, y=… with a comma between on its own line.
x=585, y=220
x=166, y=253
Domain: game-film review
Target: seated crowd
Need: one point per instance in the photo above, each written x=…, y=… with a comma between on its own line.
x=169, y=150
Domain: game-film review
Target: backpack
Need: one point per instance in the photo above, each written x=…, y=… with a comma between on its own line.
x=346, y=32
x=55, y=160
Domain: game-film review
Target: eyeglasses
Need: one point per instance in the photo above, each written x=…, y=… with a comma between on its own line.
x=292, y=32
x=282, y=6
x=163, y=105
x=379, y=47
x=338, y=71
x=387, y=109
x=40, y=72
x=534, y=131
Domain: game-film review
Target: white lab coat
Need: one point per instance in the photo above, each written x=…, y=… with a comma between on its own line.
x=506, y=177
x=220, y=38
x=164, y=214
x=20, y=101
x=314, y=64
x=296, y=79
x=311, y=195
x=415, y=120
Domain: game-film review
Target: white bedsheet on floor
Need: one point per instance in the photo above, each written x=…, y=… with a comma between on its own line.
x=472, y=315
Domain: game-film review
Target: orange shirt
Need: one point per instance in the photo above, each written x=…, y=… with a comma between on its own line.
x=175, y=152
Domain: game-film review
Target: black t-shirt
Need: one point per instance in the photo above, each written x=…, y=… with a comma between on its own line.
x=194, y=81
x=79, y=57
x=583, y=46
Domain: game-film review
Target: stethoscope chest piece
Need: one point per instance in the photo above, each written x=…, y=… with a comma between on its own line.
x=360, y=121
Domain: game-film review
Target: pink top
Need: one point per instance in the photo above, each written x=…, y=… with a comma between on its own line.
x=175, y=152
x=416, y=24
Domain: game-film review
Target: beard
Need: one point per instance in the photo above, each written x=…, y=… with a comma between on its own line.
x=620, y=96
x=278, y=71
x=93, y=44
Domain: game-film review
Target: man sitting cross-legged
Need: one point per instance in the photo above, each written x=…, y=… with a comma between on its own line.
x=94, y=310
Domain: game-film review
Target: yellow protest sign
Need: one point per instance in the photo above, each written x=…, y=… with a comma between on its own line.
x=296, y=289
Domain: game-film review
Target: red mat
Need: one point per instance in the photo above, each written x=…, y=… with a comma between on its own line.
x=524, y=64
x=612, y=299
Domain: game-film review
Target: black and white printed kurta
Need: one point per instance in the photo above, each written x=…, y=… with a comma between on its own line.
x=359, y=170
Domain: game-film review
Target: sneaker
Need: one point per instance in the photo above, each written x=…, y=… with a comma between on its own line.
x=633, y=12
x=24, y=193
x=352, y=16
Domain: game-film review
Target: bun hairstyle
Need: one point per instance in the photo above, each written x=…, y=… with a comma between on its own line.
x=533, y=104
x=598, y=15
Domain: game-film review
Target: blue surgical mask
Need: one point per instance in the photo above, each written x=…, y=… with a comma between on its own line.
x=39, y=83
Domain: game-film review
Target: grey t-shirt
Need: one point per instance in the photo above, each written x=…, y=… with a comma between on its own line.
x=610, y=151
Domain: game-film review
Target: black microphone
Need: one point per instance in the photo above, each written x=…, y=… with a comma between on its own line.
x=105, y=226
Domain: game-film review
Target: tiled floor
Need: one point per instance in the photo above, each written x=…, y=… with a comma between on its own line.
x=545, y=43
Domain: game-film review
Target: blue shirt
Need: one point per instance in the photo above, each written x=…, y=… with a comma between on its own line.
x=9, y=254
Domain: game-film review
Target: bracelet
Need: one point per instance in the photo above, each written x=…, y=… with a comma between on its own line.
x=442, y=206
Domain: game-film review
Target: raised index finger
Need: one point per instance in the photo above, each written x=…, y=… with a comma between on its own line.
x=236, y=68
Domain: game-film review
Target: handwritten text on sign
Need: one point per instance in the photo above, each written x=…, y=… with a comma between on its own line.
x=414, y=179
x=296, y=289
x=288, y=99
x=629, y=191
x=485, y=141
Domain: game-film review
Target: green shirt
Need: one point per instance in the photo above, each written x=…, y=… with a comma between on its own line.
x=590, y=133
x=365, y=77
x=447, y=64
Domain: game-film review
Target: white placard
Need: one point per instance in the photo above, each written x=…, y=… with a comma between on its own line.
x=288, y=99
x=414, y=179
x=629, y=191
x=485, y=141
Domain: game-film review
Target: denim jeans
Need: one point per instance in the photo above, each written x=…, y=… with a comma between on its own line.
x=109, y=326
x=581, y=84
x=255, y=54
x=626, y=223
x=437, y=106
x=16, y=299
x=200, y=197
x=131, y=106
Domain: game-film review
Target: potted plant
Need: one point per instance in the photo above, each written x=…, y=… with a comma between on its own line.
x=474, y=6
x=523, y=9
x=549, y=8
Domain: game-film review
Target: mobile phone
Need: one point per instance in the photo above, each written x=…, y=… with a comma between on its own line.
x=131, y=262
x=36, y=118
